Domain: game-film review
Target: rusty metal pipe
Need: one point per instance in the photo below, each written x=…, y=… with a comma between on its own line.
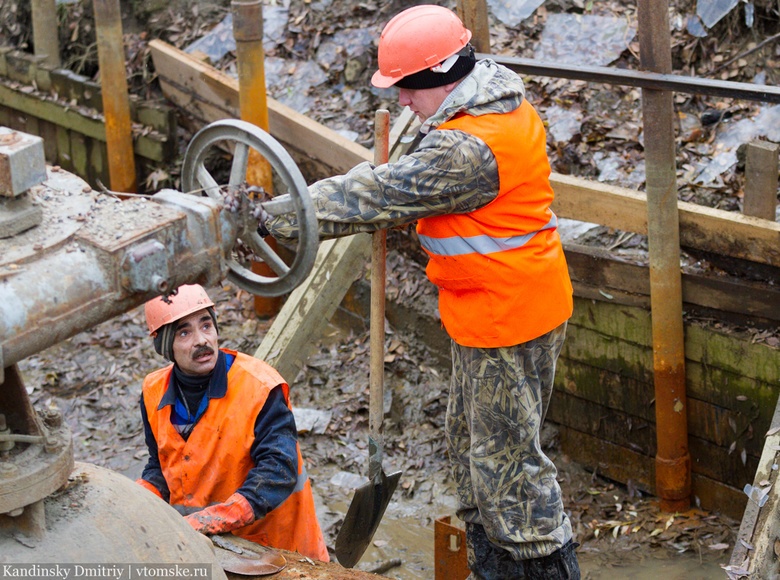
x=673, y=461
x=45, y=35
x=116, y=102
x=180, y=242
x=253, y=107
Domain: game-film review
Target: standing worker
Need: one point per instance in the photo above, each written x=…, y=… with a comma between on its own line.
x=478, y=187
x=223, y=446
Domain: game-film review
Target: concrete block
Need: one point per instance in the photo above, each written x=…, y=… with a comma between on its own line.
x=22, y=163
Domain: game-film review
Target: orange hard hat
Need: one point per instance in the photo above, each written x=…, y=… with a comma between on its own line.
x=188, y=299
x=416, y=39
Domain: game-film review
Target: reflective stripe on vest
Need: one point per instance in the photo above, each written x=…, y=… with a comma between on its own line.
x=458, y=246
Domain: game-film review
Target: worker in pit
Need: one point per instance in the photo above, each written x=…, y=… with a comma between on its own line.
x=223, y=446
x=477, y=186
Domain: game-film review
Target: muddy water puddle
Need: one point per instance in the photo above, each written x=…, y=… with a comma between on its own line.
x=407, y=540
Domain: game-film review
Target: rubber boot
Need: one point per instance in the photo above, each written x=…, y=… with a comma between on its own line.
x=560, y=565
x=486, y=560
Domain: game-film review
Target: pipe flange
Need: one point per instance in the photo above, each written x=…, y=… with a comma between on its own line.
x=32, y=471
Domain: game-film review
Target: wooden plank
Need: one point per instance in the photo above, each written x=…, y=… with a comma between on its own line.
x=756, y=528
x=729, y=352
x=713, y=230
x=212, y=95
x=618, y=374
x=149, y=146
x=63, y=149
x=761, y=180
x=624, y=465
x=710, y=424
x=597, y=273
x=310, y=306
x=48, y=132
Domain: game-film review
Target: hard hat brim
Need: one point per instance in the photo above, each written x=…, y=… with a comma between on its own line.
x=381, y=81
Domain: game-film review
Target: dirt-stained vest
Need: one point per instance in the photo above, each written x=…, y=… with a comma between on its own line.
x=500, y=269
x=215, y=460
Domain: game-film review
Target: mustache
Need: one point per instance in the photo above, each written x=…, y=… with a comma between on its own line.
x=202, y=350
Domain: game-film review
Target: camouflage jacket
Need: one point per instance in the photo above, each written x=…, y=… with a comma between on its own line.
x=449, y=171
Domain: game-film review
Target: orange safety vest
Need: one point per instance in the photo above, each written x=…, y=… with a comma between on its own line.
x=500, y=269
x=214, y=461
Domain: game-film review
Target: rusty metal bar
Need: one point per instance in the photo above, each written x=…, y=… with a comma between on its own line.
x=449, y=551
x=116, y=102
x=673, y=462
x=641, y=79
x=474, y=14
x=253, y=107
x=45, y=35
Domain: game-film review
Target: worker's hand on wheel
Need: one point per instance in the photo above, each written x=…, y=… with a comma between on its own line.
x=234, y=513
x=261, y=216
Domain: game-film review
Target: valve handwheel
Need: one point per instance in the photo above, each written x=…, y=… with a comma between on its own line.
x=241, y=136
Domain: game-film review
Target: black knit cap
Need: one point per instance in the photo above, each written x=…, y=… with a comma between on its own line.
x=427, y=79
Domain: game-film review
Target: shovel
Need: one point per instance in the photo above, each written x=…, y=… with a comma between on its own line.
x=246, y=561
x=371, y=499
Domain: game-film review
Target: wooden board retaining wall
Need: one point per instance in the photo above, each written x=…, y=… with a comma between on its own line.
x=65, y=109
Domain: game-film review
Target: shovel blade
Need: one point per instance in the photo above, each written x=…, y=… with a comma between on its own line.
x=363, y=517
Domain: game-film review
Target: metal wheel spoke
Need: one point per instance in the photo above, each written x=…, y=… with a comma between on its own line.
x=207, y=182
x=261, y=249
x=240, y=163
x=279, y=205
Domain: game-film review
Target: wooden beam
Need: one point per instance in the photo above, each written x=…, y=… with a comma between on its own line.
x=152, y=146
x=721, y=232
x=210, y=95
x=758, y=528
x=310, y=306
x=761, y=180
x=597, y=274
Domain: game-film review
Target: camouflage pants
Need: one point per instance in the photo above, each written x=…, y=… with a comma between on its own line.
x=498, y=400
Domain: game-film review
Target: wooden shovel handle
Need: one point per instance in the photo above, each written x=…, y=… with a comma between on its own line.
x=378, y=272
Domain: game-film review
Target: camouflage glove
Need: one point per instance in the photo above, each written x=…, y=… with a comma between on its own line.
x=234, y=513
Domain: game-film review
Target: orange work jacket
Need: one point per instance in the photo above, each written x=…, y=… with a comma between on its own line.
x=500, y=269
x=214, y=461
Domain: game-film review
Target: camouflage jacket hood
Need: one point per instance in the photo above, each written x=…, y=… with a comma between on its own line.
x=489, y=88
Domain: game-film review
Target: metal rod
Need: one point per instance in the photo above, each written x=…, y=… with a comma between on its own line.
x=116, y=102
x=45, y=35
x=253, y=107
x=643, y=79
x=673, y=462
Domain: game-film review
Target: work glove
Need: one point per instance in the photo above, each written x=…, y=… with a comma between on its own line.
x=234, y=513
x=261, y=216
x=149, y=486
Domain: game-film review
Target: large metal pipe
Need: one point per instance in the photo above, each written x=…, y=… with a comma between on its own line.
x=253, y=107
x=45, y=34
x=116, y=102
x=128, y=253
x=673, y=461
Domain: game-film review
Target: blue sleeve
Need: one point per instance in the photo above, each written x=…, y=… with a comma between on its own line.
x=153, y=472
x=275, y=455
